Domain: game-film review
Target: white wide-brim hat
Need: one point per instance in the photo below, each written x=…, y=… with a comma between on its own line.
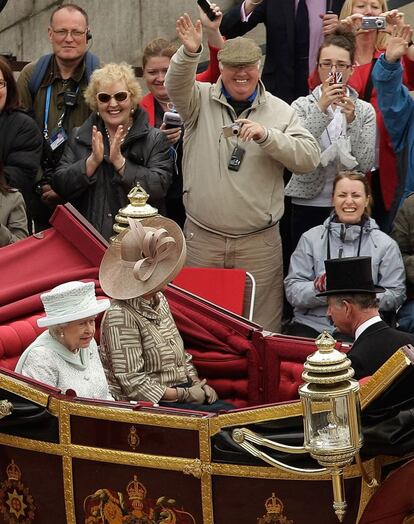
x=143, y=259
x=71, y=301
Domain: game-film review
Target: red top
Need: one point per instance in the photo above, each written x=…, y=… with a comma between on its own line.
x=209, y=75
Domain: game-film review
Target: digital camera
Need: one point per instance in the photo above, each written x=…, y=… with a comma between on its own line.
x=373, y=22
x=231, y=130
x=172, y=120
x=335, y=77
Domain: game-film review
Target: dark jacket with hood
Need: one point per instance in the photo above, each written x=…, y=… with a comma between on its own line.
x=337, y=240
x=100, y=196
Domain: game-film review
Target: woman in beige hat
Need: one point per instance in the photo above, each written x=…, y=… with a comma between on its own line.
x=66, y=355
x=141, y=349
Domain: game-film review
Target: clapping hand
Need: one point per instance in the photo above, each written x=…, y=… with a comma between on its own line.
x=95, y=158
x=189, y=34
x=115, y=155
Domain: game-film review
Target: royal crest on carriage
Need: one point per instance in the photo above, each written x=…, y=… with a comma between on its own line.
x=107, y=506
x=274, y=512
x=16, y=502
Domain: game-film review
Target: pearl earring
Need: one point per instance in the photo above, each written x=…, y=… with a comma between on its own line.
x=62, y=335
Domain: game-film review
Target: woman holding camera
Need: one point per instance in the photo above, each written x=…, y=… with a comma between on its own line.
x=370, y=44
x=155, y=60
x=112, y=151
x=343, y=125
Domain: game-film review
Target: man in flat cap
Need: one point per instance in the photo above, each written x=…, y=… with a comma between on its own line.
x=353, y=307
x=238, y=139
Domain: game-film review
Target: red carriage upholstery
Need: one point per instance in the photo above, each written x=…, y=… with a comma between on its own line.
x=244, y=366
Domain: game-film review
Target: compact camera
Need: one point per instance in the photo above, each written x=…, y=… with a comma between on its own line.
x=373, y=22
x=231, y=130
x=172, y=120
x=335, y=77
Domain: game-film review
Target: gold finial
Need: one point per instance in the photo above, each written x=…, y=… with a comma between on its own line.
x=325, y=342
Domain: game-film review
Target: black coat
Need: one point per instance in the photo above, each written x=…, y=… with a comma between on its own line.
x=99, y=197
x=279, y=18
x=375, y=346
x=20, y=150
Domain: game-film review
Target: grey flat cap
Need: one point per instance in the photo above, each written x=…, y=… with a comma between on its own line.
x=238, y=51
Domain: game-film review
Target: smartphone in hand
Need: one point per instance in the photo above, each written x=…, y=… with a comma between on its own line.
x=206, y=7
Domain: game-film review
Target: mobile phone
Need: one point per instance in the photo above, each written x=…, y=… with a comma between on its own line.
x=373, y=22
x=206, y=7
x=171, y=120
x=335, y=77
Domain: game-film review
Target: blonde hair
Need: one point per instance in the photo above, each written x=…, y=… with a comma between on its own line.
x=109, y=74
x=382, y=38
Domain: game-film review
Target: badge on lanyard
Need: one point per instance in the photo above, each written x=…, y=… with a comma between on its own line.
x=57, y=137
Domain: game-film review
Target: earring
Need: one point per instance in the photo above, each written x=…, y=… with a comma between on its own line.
x=62, y=335
x=97, y=113
x=132, y=110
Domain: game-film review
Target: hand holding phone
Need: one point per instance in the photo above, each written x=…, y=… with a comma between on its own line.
x=172, y=120
x=206, y=7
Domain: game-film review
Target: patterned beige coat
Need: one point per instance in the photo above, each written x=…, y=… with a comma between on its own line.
x=13, y=219
x=142, y=351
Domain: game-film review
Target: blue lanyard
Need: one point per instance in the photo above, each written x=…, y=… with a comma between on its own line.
x=47, y=108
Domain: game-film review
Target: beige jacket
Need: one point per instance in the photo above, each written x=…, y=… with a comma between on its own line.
x=251, y=199
x=13, y=219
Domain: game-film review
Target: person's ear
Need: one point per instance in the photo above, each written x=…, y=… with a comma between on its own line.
x=49, y=33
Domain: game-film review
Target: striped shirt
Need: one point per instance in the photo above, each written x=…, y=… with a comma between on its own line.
x=141, y=349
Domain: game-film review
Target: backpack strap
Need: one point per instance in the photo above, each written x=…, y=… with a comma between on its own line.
x=39, y=73
x=91, y=63
x=369, y=86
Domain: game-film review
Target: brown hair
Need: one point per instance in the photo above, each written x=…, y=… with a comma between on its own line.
x=360, y=177
x=70, y=7
x=341, y=37
x=12, y=99
x=158, y=47
x=382, y=37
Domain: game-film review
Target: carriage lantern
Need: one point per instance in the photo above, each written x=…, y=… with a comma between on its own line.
x=330, y=402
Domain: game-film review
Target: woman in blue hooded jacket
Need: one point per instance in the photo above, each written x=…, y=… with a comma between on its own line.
x=348, y=232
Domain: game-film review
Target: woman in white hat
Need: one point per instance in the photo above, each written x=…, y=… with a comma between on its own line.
x=141, y=349
x=66, y=355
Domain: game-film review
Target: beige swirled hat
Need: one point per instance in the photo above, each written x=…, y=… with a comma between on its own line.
x=145, y=257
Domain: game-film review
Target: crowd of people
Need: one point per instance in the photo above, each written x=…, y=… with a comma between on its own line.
x=306, y=161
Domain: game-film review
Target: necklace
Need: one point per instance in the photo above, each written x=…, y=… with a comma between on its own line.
x=125, y=132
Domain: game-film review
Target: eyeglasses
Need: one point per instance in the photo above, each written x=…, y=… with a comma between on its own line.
x=63, y=33
x=104, y=98
x=340, y=66
x=3, y=84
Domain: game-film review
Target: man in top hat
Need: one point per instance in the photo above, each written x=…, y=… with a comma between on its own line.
x=238, y=140
x=353, y=307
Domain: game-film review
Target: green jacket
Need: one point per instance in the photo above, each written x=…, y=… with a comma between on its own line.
x=75, y=117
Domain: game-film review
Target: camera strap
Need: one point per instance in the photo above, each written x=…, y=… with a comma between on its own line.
x=65, y=112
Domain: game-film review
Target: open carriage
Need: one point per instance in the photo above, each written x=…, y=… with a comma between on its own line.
x=65, y=459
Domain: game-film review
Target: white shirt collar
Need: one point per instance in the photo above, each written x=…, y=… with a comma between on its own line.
x=366, y=324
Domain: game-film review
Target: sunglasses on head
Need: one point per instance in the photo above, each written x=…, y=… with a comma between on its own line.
x=121, y=96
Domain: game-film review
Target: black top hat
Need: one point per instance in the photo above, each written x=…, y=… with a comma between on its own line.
x=349, y=275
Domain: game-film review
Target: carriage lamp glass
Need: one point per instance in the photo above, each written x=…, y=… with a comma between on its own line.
x=331, y=413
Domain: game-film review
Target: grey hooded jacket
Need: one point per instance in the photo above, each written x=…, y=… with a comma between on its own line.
x=307, y=263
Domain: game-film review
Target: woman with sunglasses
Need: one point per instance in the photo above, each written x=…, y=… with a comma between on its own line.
x=112, y=151
x=344, y=126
